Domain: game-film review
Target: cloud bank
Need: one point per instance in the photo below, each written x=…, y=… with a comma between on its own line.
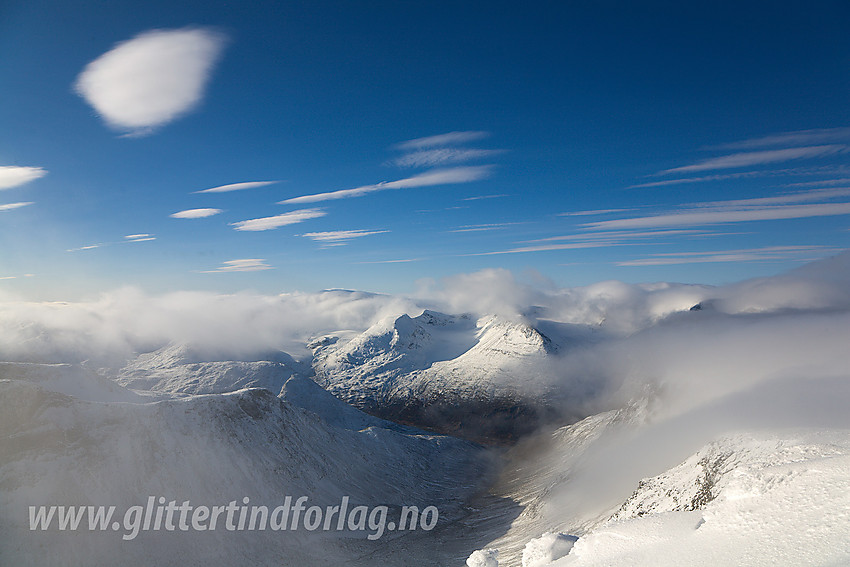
x=152, y=79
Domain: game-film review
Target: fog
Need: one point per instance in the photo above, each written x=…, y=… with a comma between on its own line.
x=621, y=339
x=118, y=324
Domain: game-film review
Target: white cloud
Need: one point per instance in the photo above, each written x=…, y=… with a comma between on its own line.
x=237, y=186
x=746, y=159
x=802, y=253
x=799, y=138
x=449, y=139
x=401, y=261
x=484, y=227
x=242, y=265
x=195, y=213
x=442, y=156
x=123, y=322
x=480, y=197
x=136, y=236
x=89, y=247
x=151, y=79
x=15, y=176
x=620, y=235
x=10, y=206
x=593, y=212
x=551, y=247
x=796, y=197
x=270, y=223
x=338, y=237
x=696, y=217
x=429, y=178
x=604, y=239
x=822, y=183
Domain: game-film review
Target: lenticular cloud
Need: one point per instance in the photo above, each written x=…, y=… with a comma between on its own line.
x=151, y=79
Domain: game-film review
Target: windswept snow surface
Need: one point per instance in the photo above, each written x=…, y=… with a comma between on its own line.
x=755, y=499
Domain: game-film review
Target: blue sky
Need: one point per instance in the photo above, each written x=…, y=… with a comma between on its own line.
x=371, y=145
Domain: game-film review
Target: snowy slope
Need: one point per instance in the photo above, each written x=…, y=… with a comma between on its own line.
x=486, y=379
x=754, y=499
x=177, y=369
x=61, y=450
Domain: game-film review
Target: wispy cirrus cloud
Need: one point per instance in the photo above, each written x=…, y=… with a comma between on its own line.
x=549, y=247
x=622, y=235
x=12, y=206
x=798, y=138
x=400, y=261
x=429, y=178
x=768, y=253
x=705, y=178
x=694, y=218
x=593, y=212
x=442, y=156
x=764, y=157
x=139, y=238
x=237, y=186
x=794, y=197
x=241, y=265
x=606, y=239
x=152, y=79
x=340, y=237
x=484, y=227
x=89, y=247
x=448, y=139
x=482, y=197
x=195, y=213
x=277, y=221
x=821, y=183
x=793, y=171
x=779, y=207
x=15, y=176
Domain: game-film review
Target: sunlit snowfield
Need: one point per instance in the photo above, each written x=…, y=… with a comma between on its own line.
x=612, y=424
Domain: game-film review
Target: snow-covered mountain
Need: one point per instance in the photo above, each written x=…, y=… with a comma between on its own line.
x=486, y=379
x=714, y=436
x=178, y=369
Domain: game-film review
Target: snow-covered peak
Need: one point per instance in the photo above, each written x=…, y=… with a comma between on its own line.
x=497, y=335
